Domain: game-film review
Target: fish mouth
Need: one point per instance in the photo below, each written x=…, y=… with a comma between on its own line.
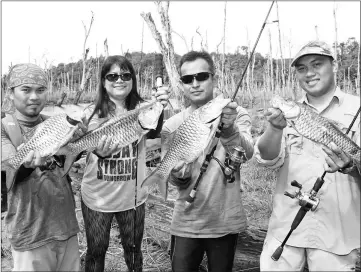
x=72, y=121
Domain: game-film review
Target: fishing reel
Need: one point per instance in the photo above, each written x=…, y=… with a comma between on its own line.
x=232, y=162
x=51, y=163
x=307, y=200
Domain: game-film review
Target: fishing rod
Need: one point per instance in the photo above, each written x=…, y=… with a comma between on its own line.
x=158, y=74
x=307, y=201
x=237, y=156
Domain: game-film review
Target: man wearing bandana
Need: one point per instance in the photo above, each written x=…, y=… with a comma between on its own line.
x=41, y=222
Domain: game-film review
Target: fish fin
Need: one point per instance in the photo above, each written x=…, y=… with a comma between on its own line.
x=5, y=165
x=69, y=161
x=19, y=147
x=157, y=178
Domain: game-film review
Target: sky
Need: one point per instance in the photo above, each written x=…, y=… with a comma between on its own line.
x=51, y=32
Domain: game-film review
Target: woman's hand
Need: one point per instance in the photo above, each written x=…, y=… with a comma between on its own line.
x=106, y=148
x=161, y=94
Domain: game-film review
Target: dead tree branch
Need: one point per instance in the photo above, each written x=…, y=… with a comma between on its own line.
x=167, y=49
x=83, y=84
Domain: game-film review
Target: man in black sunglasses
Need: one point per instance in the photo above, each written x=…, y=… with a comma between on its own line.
x=212, y=222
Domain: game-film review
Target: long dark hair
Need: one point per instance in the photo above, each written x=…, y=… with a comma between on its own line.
x=103, y=104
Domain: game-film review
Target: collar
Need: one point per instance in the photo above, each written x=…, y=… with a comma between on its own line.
x=338, y=97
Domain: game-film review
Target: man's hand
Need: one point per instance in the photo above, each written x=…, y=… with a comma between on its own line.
x=229, y=114
x=105, y=148
x=335, y=158
x=275, y=118
x=182, y=170
x=161, y=94
x=33, y=160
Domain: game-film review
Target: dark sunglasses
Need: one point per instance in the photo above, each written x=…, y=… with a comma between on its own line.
x=115, y=77
x=188, y=79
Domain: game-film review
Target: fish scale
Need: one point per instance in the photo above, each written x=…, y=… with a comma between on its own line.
x=186, y=145
x=124, y=129
x=316, y=127
x=190, y=140
x=47, y=139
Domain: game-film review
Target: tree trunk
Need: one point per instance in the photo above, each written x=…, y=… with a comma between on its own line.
x=335, y=47
x=85, y=79
x=166, y=51
x=85, y=84
x=61, y=100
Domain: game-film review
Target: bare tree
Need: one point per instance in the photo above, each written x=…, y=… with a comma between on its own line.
x=280, y=44
x=106, y=50
x=85, y=78
x=358, y=70
x=223, y=78
x=183, y=38
x=316, y=30
x=335, y=46
x=166, y=50
x=200, y=35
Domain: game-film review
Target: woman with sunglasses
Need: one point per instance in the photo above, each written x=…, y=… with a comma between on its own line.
x=212, y=222
x=109, y=183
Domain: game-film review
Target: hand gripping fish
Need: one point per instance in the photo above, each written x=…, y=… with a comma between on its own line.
x=124, y=129
x=46, y=138
x=315, y=127
x=190, y=140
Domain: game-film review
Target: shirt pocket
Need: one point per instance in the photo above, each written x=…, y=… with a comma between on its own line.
x=294, y=141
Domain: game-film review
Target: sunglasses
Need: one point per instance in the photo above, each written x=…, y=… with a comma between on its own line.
x=188, y=79
x=115, y=77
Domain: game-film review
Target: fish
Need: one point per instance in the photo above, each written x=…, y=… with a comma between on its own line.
x=189, y=142
x=316, y=127
x=46, y=138
x=124, y=129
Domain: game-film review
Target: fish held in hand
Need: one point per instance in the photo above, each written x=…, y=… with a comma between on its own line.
x=124, y=130
x=316, y=127
x=46, y=138
x=190, y=140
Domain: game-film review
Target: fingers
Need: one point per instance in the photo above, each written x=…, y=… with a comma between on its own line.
x=83, y=119
x=335, y=158
x=29, y=159
x=276, y=118
x=33, y=160
x=229, y=114
x=178, y=166
x=107, y=147
x=161, y=95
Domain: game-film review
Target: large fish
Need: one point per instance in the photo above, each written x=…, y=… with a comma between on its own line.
x=46, y=138
x=190, y=140
x=124, y=129
x=315, y=127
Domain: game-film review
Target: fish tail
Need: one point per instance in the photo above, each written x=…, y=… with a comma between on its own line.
x=156, y=177
x=70, y=158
